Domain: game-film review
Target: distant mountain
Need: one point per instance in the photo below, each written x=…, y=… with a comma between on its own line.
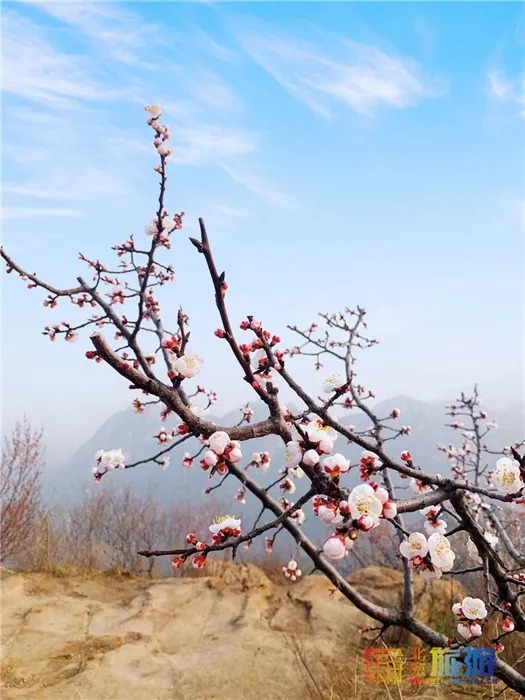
x=134, y=435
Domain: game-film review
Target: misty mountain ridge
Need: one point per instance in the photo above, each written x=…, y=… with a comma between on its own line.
x=133, y=433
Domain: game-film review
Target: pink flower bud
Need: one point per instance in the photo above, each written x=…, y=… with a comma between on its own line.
x=210, y=458
x=365, y=523
x=389, y=509
x=507, y=625
x=311, y=458
x=475, y=629
x=344, y=507
x=334, y=548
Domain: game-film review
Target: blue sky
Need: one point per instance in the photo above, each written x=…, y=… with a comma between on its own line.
x=340, y=153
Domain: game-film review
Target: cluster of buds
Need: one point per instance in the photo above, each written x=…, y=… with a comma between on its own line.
x=221, y=448
x=198, y=561
x=163, y=437
x=260, y=353
x=292, y=571
x=52, y=331
x=162, y=133
x=471, y=613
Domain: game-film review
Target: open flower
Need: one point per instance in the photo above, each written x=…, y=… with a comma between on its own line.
x=473, y=608
x=415, y=546
x=154, y=111
x=507, y=475
x=188, y=365
x=441, y=553
x=332, y=383
x=363, y=501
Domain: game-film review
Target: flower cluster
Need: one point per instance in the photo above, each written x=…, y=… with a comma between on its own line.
x=221, y=448
x=260, y=353
x=366, y=504
x=107, y=461
x=318, y=440
x=471, y=613
x=430, y=558
x=292, y=571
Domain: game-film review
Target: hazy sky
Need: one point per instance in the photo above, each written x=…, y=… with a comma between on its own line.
x=340, y=154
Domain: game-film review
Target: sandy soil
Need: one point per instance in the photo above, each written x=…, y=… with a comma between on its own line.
x=228, y=636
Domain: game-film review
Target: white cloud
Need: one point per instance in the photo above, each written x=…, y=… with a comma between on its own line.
x=506, y=90
x=360, y=77
x=35, y=70
x=119, y=31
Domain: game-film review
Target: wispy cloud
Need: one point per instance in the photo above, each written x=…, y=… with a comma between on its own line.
x=195, y=144
x=36, y=70
x=505, y=89
x=258, y=185
x=120, y=31
x=344, y=73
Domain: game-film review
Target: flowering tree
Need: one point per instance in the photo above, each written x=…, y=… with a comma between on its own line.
x=480, y=499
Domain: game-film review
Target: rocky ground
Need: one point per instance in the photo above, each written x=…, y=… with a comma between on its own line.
x=230, y=635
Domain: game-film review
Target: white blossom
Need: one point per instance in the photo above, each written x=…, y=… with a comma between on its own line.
x=154, y=111
x=441, y=553
x=507, y=475
x=415, y=546
x=332, y=383
x=188, y=365
x=363, y=501
x=473, y=608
